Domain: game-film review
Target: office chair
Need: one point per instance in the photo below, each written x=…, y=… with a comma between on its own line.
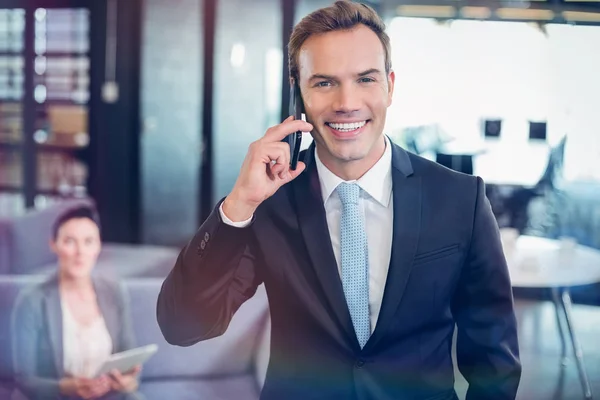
x=517, y=204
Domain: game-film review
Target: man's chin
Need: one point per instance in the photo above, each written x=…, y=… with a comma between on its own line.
x=348, y=155
x=340, y=150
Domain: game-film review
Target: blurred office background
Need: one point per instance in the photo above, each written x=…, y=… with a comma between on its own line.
x=146, y=108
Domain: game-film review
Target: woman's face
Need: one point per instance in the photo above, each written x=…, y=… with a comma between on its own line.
x=77, y=246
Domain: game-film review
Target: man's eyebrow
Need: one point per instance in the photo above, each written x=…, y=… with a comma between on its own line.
x=333, y=78
x=369, y=72
x=322, y=76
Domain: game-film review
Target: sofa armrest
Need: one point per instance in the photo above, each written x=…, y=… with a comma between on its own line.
x=5, y=247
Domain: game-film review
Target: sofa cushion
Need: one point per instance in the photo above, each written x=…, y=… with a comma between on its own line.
x=137, y=260
x=238, y=388
x=28, y=235
x=125, y=260
x=230, y=354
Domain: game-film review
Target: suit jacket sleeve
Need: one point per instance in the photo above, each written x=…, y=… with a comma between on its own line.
x=215, y=273
x=487, y=345
x=27, y=327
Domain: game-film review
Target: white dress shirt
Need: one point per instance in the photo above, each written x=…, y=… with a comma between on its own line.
x=378, y=211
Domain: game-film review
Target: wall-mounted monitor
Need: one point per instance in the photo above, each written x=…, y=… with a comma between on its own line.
x=492, y=128
x=537, y=130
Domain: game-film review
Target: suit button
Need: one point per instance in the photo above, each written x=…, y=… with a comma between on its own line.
x=360, y=363
x=202, y=244
x=206, y=237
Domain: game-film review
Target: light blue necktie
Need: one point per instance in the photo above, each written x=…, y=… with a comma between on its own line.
x=355, y=266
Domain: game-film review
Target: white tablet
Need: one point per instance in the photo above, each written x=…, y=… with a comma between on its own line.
x=126, y=360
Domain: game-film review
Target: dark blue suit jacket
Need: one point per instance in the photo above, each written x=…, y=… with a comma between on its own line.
x=447, y=267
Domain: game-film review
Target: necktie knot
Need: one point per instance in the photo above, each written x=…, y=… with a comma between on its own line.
x=349, y=193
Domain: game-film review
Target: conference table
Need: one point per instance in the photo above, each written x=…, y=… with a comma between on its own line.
x=558, y=265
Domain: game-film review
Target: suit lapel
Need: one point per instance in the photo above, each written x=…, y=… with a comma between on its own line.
x=406, y=230
x=54, y=322
x=313, y=225
x=109, y=312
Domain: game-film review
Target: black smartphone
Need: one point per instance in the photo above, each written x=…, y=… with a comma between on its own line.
x=295, y=139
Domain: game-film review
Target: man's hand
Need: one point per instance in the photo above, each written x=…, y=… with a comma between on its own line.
x=265, y=169
x=126, y=382
x=84, y=387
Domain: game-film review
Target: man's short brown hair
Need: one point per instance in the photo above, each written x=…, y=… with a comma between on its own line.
x=342, y=15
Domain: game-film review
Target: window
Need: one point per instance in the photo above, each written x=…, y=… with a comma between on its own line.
x=458, y=74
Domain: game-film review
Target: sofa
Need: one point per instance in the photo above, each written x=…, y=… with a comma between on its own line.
x=232, y=366
x=24, y=247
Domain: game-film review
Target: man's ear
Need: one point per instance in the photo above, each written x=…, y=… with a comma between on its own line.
x=391, y=82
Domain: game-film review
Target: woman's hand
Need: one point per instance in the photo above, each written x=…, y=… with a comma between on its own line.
x=84, y=387
x=126, y=382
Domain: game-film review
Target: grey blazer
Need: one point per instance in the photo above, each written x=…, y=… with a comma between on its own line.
x=37, y=333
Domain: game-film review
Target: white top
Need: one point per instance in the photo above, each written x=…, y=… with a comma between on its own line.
x=85, y=347
x=540, y=262
x=376, y=202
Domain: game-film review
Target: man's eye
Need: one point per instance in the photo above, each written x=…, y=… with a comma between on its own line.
x=323, y=84
x=366, y=80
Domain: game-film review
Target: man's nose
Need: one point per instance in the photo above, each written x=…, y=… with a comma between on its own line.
x=347, y=100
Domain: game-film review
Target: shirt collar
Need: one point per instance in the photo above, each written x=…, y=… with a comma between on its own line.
x=376, y=182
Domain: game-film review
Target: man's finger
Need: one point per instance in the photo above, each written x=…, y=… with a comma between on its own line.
x=276, y=156
x=282, y=164
x=293, y=173
x=279, y=132
x=289, y=174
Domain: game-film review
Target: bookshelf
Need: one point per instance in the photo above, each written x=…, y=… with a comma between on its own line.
x=44, y=103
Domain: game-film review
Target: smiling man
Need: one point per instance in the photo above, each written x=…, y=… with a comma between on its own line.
x=370, y=255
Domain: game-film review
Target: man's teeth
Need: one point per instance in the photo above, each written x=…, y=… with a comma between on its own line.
x=347, y=127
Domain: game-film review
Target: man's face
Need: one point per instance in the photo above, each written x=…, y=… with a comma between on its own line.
x=346, y=93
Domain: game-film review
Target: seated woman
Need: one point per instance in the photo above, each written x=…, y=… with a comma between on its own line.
x=66, y=327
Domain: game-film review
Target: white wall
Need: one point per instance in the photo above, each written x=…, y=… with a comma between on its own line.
x=456, y=74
